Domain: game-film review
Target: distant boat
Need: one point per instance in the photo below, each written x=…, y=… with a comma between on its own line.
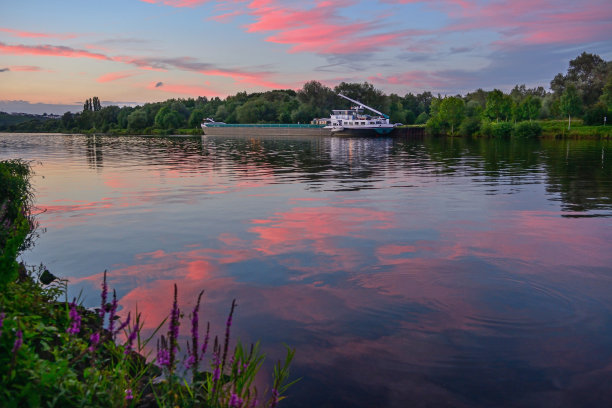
x=343, y=122
x=211, y=122
x=354, y=122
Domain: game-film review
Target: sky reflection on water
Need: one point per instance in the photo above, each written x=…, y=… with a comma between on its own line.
x=434, y=272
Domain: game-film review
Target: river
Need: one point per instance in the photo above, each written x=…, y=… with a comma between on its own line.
x=431, y=272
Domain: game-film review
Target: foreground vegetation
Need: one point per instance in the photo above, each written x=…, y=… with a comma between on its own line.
x=584, y=92
x=56, y=353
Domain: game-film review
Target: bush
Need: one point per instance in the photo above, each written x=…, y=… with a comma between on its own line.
x=527, y=130
x=502, y=129
x=421, y=119
x=595, y=114
x=16, y=222
x=434, y=126
x=486, y=128
x=469, y=126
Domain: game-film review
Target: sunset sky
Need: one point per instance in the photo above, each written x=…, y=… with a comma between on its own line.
x=54, y=54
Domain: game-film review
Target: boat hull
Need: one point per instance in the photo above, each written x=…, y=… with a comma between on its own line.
x=255, y=130
x=363, y=132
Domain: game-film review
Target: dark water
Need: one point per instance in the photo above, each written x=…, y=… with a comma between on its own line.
x=435, y=272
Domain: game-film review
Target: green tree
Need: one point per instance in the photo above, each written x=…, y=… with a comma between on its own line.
x=137, y=120
x=95, y=104
x=364, y=93
x=452, y=112
x=606, y=96
x=531, y=107
x=167, y=118
x=570, y=103
x=196, y=117
x=587, y=73
x=320, y=99
x=498, y=105
x=256, y=111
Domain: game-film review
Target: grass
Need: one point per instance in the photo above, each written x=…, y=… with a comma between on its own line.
x=55, y=353
x=558, y=128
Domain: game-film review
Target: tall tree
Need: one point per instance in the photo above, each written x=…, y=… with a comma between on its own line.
x=498, y=105
x=570, y=103
x=451, y=111
x=531, y=107
x=587, y=73
x=95, y=104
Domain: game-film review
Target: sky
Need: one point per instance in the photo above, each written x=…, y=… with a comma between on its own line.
x=55, y=54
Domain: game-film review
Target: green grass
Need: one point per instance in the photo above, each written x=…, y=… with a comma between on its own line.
x=558, y=128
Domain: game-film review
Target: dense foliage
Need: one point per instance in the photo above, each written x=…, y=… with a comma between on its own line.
x=585, y=91
x=16, y=221
x=55, y=353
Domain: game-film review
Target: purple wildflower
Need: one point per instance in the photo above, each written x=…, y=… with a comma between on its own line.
x=163, y=355
x=173, y=331
x=274, y=398
x=124, y=324
x=228, y=325
x=104, y=294
x=217, y=371
x=128, y=394
x=130, y=341
x=113, y=311
x=163, y=358
x=94, y=339
x=194, y=331
x=235, y=401
x=18, y=341
x=1, y=322
x=191, y=360
x=206, y=338
x=75, y=318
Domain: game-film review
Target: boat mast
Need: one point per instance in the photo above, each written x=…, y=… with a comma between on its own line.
x=364, y=106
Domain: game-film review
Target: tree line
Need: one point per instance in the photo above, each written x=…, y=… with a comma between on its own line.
x=584, y=91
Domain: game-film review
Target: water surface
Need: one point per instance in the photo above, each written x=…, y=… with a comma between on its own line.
x=431, y=272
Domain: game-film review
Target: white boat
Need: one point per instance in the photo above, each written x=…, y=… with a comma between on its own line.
x=209, y=122
x=353, y=121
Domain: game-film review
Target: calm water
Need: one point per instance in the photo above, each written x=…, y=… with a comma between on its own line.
x=436, y=272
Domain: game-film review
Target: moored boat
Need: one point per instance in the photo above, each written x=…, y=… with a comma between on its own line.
x=342, y=122
x=355, y=122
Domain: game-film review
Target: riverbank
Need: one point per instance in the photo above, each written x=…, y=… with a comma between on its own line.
x=57, y=353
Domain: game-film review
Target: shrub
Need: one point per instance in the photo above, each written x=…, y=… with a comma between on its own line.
x=434, y=126
x=596, y=113
x=469, y=126
x=486, y=128
x=527, y=130
x=502, y=129
x=16, y=222
x=421, y=119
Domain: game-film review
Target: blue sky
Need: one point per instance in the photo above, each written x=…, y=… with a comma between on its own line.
x=136, y=51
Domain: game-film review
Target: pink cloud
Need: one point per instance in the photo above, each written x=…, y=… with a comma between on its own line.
x=223, y=18
x=29, y=34
x=536, y=21
x=49, y=50
x=321, y=28
x=184, y=63
x=114, y=76
x=30, y=68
